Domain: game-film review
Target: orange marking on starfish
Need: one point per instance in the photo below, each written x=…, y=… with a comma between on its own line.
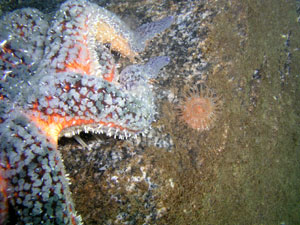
x=56, y=123
x=3, y=191
x=49, y=127
x=107, y=34
x=110, y=76
x=104, y=33
x=79, y=67
x=73, y=219
x=67, y=87
x=80, y=64
x=7, y=50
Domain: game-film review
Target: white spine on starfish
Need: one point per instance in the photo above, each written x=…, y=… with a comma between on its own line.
x=69, y=84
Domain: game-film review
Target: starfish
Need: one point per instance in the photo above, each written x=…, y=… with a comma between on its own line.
x=59, y=78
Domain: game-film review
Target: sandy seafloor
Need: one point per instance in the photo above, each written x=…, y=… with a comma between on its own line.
x=244, y=170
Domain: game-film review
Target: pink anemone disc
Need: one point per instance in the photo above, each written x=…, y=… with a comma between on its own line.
x=199, y=108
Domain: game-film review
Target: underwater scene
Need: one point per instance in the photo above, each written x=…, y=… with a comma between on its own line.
x=150, y=112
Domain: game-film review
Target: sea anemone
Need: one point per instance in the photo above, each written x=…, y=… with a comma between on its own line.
x=199, y=108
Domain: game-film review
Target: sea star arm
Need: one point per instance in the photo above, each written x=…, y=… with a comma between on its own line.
x=76, y=39
x=22, y=43
x=35, y=172
x=92, y=104
x=147, y=31
x=29, y=136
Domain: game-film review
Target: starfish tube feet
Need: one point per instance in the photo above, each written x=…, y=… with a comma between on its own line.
x=60, y=78
x=137, y=75
x=147, y=31
x=36, y=174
